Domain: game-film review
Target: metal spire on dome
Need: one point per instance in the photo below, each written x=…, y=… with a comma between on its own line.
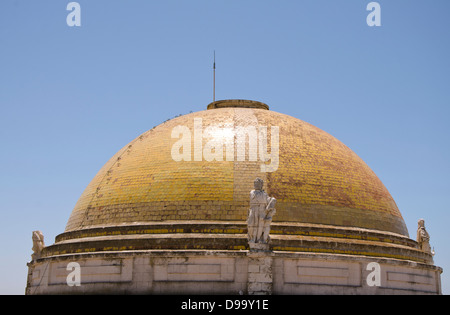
x=214, y=77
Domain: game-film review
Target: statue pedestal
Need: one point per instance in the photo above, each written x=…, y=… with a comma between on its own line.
x=259, y=247
x=260, y=279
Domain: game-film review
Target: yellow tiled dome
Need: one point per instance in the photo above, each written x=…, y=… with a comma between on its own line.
x=317, y=179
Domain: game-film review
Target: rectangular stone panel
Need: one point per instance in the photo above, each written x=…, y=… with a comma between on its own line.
x=95, y=271
x=38, y=273
x=410, y=279
x=322, y=272
x=195, y=270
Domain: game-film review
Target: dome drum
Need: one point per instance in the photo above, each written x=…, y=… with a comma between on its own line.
x=233, y=236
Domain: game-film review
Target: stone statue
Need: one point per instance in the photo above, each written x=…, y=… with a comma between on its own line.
x=423, y=238
x=38, y=244
x=262, y=209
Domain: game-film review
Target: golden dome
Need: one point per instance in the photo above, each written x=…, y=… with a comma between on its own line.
x=316, y=180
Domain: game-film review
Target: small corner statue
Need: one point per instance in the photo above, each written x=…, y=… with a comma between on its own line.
x=423, y=238
x=262, y=209
x=38, y=244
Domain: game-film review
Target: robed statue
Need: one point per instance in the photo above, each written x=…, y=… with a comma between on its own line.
x=261, y=211
x=38, y=244
x=423, y=238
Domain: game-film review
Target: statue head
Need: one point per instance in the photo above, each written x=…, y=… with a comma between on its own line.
x=258, y=184
x=421, y=223
x=37, y=236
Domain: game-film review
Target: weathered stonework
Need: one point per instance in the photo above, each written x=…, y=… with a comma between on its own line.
x=228, y=272
x=260, y=277
x=222, y=235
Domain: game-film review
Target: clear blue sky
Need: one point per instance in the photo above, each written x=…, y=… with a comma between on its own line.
x=70, y=97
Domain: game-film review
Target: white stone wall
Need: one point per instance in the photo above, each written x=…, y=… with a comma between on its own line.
x=330, y=274
x=229, y=272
